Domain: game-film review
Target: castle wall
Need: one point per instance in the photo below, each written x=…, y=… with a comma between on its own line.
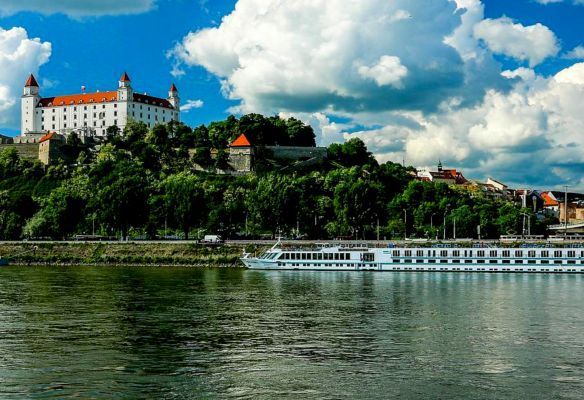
x=297, y=153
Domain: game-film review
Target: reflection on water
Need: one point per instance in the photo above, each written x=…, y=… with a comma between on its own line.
x=185, y=333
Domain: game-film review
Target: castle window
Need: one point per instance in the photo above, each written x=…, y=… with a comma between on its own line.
x=84, y=116
x=94, y=123
x=64, y=125
x=115, y=113
x=53, y=126
x=94, y=115
x=53, y=117
x=74, y=108
x=103, y=106
x=85, y=123
x=115, y=106
x=148, y=108
x=94, y=107
x=115, y=122
x=64, y=117
x=85, y=107
x=80, y=101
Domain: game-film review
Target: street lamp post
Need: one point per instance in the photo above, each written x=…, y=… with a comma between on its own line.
x=405, y=224
x=565, y=210
x=445, y=213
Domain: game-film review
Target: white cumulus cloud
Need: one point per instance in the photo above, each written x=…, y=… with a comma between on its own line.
x=389, y=71
x=192, y=104
x=313, y=55
x=577, y=53
x=77, y=8
x=19, y=56
x=532, y=43
x=416, y=80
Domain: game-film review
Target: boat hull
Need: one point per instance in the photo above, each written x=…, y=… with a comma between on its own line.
x=380, y=267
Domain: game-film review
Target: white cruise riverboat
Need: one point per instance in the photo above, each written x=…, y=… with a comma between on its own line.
x=439, y=258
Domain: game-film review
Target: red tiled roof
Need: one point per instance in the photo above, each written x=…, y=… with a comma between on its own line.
x=155, y=101
x=99, y=97
x=31, y=81
x=125, y=78
x=85, y=98
x=48, y=136
x=241, y=141
x=173, y=88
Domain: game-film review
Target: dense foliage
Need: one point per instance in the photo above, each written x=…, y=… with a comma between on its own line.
x=142, y=182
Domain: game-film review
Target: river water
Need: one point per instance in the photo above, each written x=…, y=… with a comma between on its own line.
x=188, y=333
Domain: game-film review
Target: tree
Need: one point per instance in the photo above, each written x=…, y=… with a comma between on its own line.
x=119, y=195
x=300, y=134
x=351, y=153
x=184, y=199
x=273, y=203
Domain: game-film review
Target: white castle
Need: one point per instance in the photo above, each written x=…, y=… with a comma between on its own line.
x=90, y=114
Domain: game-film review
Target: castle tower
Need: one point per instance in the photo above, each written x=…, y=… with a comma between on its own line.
x=125, y=92
x=173, y=97
x=29, y=101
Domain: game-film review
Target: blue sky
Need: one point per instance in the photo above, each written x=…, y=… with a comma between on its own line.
x=344, y=69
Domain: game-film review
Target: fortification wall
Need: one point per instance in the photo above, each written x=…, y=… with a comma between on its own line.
x=29, y=151
x=297, y=153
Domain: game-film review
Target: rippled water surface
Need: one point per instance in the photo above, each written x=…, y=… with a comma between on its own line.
x=187, y=333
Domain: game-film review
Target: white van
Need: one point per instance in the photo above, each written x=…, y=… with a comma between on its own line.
x=212, y=239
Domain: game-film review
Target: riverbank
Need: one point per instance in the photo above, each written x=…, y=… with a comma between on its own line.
x=122, y=253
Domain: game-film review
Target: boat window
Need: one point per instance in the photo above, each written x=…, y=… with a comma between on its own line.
x=336, y=256
x=545, y=253
x=571, y=253
x=408, y=253
x=319, y=256
x=396, y=253
x=531, y=253
x=557, y=253
x=456, y=253
x=443, y=253
x=518, y=253
x=420, y=253
x=480, y=253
